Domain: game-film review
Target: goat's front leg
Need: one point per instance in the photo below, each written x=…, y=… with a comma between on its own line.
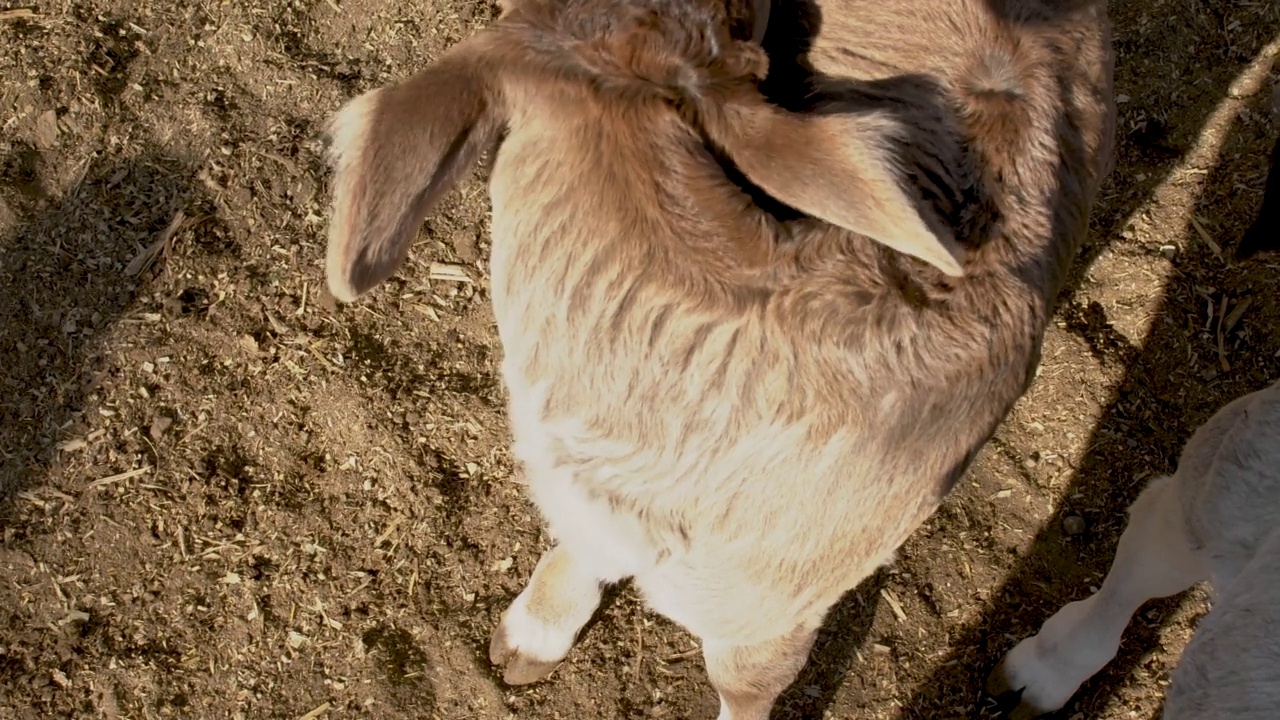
x=1155, y=558
x=540, y=626
x=750, y=678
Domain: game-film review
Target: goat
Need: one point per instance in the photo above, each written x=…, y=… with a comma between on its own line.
x=1264, y=233
x=1217, y=518
x=748, y=347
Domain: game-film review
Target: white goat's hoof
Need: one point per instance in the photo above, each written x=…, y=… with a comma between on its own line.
x=529, y=648
x=1021, y=670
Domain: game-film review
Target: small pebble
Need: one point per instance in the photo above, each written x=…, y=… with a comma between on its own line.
x=1032, y=460
x=47, y=130
x=159, y=425
x=1073, y=524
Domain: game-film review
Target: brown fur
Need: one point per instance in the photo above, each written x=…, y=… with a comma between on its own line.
x=732, y=375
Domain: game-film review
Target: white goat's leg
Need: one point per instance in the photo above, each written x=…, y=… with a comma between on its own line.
x=540, y=626
x=1155, y=558
x=750, y=678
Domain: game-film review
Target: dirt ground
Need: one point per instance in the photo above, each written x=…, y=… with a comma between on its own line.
x=221, y=497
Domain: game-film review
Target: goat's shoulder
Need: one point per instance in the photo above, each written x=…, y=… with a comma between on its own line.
x=1231, y=667
x=1230, y=473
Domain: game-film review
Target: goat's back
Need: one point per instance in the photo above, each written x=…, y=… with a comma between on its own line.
x=1229, y=473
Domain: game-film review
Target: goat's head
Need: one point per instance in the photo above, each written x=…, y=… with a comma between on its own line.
x=398, y=149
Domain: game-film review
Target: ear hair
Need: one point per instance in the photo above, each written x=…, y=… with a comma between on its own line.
x=395, y=152
x=835, y=167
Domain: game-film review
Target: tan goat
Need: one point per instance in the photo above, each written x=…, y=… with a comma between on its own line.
x=748, y=349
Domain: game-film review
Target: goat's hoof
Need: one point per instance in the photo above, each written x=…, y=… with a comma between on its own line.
x=1000, y=687
x=998, y=682
x=518, y=668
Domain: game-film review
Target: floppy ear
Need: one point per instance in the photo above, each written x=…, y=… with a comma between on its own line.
x=395, y=152
x=835, y=167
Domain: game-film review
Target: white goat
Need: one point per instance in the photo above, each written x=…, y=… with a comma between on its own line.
x=1217, y=519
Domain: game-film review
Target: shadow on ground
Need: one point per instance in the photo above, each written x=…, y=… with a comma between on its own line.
x=67, y=261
